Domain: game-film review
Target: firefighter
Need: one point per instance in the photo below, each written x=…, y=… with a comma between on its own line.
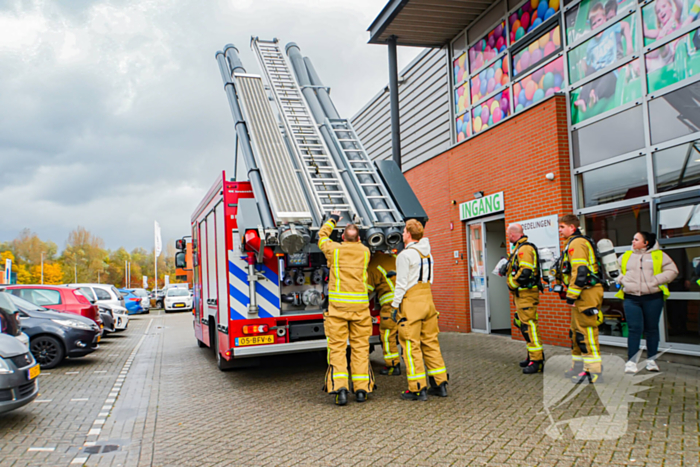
x=580, y=271
x=347, y=317
x=414, y=311
x=523, y=279
x=382, y=281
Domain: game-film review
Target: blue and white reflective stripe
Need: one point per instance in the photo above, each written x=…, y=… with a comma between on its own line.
x=415, y=377
x=360, y=377
x=437, y=371
x=340, y=376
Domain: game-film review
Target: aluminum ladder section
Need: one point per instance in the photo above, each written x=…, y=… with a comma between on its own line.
x=284, y=191
x=363, y=172
x=323, y=179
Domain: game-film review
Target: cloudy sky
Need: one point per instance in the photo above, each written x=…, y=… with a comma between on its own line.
x=113, y=112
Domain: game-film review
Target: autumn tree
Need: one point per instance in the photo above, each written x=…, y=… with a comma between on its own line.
x=83, y=256
x=28, y=248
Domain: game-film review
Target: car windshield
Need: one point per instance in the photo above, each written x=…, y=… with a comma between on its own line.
x=178, y=293
x=24, y=305
x=124, y=293
x=87, y=291
x=8, y=317
x=140, y=293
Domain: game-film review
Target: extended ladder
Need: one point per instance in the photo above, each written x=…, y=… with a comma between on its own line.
x=380, y=205
x=320, y=173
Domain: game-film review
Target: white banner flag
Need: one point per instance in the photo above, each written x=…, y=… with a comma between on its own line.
x=8, y=270
x=167, y=281
x=145, y=282
x=159, y=242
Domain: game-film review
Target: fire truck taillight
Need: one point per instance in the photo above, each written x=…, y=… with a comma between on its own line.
x=257, y=329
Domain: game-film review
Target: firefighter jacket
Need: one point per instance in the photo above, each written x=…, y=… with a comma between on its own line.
x=348, y=262
x=378, y=274
x=578, y=267
x=523, y=269
x=412, y=269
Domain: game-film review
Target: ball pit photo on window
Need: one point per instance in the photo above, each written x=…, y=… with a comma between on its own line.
x=463, y=127
x=488, y=48
x=607, y=92
x=459, y=68
x=530, y=16
x=461, y=98
x=538, y=85
x=593, y=14
x=490, y=79
x=603, y=50
x=673, y=62
x=491, y=112
x=537, y=52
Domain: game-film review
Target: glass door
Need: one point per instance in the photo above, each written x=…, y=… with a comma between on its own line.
x=477, y=278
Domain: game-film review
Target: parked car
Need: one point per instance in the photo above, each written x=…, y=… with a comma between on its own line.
x=157, y=297
x=58, y=298
x=107, y=318
x=101, y=293
x=119, y=314
x=136, y=300
x=55, y=336
x=18, y=374
x=177, y=299
x=9, y=320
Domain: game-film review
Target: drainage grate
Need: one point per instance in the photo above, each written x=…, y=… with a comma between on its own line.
x=102, y=449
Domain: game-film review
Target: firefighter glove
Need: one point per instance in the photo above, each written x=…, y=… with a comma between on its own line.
x=394, y=311
x=569, y=301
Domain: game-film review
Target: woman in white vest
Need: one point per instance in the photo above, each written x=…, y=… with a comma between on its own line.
x=646, y=271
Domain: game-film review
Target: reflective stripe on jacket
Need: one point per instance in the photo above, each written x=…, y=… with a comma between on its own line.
x=348, y=262
x=578, y=252
x=526, y=258
x=377, y=277
x=646, y=272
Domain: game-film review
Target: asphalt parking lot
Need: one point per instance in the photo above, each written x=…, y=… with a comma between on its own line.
x=150, y=396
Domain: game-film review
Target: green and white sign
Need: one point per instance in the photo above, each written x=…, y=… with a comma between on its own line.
x=484, y=206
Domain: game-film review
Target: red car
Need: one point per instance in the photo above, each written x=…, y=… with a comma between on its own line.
x=58, y=298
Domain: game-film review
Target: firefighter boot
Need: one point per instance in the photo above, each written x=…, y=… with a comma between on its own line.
x=435, y=389
x=341, y=397
x=535, y=366
x=361, y=396
x=525, y=362
x=391, y=370
x=574, y=370
x=587, y=376
x=421, y=395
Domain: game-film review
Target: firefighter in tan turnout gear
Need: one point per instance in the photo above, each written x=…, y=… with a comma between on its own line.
x=382, y=281
x=524, y=282
x=348, y=316
x=580, y=271
x=417, y=318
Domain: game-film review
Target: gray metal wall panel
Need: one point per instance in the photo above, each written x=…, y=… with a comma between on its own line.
x=424, y=106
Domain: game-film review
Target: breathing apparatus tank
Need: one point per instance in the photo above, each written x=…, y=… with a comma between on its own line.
x=608, y=258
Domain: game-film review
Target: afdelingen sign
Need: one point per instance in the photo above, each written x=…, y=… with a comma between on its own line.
x=490, y=204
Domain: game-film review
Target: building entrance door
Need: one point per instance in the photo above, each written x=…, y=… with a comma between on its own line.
x=488, y=295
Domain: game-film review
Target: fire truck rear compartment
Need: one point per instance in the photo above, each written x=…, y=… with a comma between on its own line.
x=308, y=330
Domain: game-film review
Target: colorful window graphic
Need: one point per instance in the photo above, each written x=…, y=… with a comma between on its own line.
x=463, y=126
x=491, y=112
x=663, y=17
x=537, y=52
x=593, y=14
x=538, y=85
x=674, y=61
x=490, y=79
x=461, y=98
x=488, y=48
x=530, y=16
x=603, y=50
x=607, y=92
x=459, y=67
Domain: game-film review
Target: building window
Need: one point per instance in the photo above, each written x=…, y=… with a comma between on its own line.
x=537, y=52
x=620, y=134
x=679, y=221
x=618, y=225
x=675, y=114
x=677, y=167
x=530, y=16
x=463, y=126
x=491, y=112
x=682, y=313
x=616, y=182
x=674, y=61
x=619, y=87
x=490, y=79
x=593, y=14
x=538, y=85
x=488, y=48
x=459, y=64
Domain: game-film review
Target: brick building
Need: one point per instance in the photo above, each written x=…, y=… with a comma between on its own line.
x=508, y=116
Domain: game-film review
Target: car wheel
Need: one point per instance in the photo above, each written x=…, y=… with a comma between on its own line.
x=48, y=351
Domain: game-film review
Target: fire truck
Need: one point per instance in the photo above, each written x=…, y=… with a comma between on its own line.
x=260, y=280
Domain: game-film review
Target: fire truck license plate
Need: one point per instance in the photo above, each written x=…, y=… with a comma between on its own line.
x=254, y=340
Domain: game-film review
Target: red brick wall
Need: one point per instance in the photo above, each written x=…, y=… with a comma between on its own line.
x=513, y=157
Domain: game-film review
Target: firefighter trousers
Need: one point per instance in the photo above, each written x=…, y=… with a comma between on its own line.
x=526, y=302
x=418, y=336
x=355, y=327
x=584, y=329
x=388, y=333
